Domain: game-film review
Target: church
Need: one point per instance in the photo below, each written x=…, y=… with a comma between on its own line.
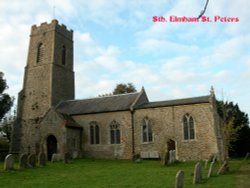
x=51, y=120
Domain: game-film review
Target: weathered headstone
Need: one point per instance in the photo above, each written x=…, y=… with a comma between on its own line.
x=170, y=157
x=179, y=179
x=246, y=157
x=164, y=159
x=174, y=156
x=197, y=173
x=224, y=168
x=56, y=157
x=211, y=169
x=41, y=159
x=66, y=157
x=9, y=162
x=206, y=162
x=32, y=160
x=23, y=161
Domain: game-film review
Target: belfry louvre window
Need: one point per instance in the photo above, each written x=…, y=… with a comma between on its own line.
x=115, y=135
x=188, y=127
x=94, y=133
x=147, y=133
x=63, y=55
x=40, y=53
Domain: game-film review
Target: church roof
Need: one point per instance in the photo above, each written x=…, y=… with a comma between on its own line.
x=98, y=105
x=177, y=102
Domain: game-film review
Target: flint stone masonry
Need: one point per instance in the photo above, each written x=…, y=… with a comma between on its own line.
x=9, y=162
x=179, y=179
x=211, y=169
x=23, y=161
x=32, y=160
x=41, y=159
x=197, y=173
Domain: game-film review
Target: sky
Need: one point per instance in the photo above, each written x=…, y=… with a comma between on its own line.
x=116, y=41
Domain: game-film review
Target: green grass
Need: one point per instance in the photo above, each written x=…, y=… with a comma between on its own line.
x=107, y=173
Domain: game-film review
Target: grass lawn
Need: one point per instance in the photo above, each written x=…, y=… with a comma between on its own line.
x=107, y=173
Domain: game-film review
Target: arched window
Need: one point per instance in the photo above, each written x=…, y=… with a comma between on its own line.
x=94, y=133
x=115, y=135
x=63, y=55
x=147, y=133
x=40, y=53
x=188, y=127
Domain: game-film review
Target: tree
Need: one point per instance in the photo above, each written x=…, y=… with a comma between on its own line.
x=235, y=128
x=6, y=101
x=124, y=88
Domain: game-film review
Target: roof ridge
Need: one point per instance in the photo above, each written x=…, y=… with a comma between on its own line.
x=90, y=98
x=179, y=99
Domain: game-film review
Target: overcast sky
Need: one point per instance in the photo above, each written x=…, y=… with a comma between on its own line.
x=116, y=41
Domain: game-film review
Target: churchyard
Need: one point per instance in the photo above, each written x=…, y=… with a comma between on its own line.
x=119, y=173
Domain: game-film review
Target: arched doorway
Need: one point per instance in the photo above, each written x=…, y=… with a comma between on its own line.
x=51, y=146
x=171, y=145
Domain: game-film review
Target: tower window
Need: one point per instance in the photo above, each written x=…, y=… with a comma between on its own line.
x=94, y=133
x=40, y=53
x=188, y=127
x=63, y=55
x=115, y=135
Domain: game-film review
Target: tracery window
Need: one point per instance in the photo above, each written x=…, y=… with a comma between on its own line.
x=40, y=53
x=63, y=55
x=147, y=133
x=115, y=134
x=94, y=133
x=188, y=127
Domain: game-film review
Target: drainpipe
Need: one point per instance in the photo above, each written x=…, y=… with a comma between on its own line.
x=133, y=133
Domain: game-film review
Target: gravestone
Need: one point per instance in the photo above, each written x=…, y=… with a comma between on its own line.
x=57, y=157
x=23, y=161
x=66, y=157
x=32, y=160
x=246, y=157
x=224, y=168
x=9, y=162
x=211, y=169
x=179, y=179
x=197, y=173
x=206, y=162
x=164, y=159
x=170, y=157
x=174, y=156
x=41, y=159
x=214, y=158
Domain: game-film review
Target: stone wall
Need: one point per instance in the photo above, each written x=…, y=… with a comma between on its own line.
x=105, y=149
x=167, y=124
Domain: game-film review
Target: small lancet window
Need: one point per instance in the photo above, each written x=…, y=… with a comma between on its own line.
x=94, y=133
x=115, y=135
x=63, y=55
x=40, y=53
x=147, y=133
x=188, y=127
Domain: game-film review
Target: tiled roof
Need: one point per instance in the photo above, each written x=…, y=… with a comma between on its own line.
x=177, y=102
x=97, y=105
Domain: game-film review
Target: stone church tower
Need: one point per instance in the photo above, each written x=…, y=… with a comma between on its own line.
x=48, y=79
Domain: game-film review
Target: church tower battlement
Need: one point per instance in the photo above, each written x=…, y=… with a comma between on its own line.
x=48, y=78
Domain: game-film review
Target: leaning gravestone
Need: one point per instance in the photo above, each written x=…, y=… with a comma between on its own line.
x=179, y=179
x=23, y=161
x=197, y=174
x=41, y=159
x=211, y=169
x=246, y=157
x=224, y=168
x=9, y=162
x=32, y=160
